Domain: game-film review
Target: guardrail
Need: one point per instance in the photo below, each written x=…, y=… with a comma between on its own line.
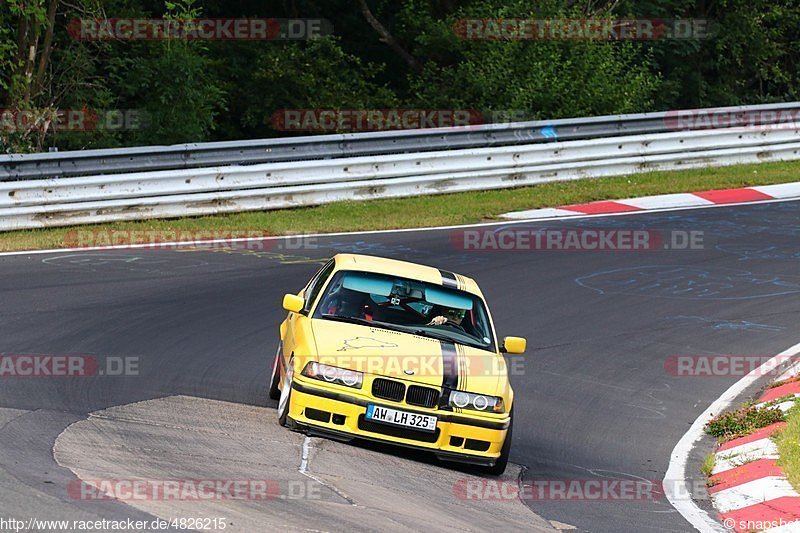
x=152, y=158
x=203, y=191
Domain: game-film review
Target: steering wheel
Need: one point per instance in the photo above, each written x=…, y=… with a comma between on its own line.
x=453, y=325
x=336, y=287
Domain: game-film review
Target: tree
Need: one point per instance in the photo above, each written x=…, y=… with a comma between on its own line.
x=384, y=54
x=749, y=56
x=172, y=81
x=42, y=68
x=316, y=74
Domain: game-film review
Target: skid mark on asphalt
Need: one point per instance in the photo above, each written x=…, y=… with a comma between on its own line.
x=278, y=257
x=687, y=282
x=649, y=403
x=728, y=325
x=7, y=416
x=646, y=495
x=656, y=407
x=584, y=380
x=122, y=262
x=745, y=221
x=756, y=252
x=622, y=334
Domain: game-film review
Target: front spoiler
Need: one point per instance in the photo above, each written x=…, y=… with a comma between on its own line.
x=444, y=417
x=312, y=429
x=341, y=436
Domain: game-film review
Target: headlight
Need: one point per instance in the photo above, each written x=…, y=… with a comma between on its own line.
x=333, y=374
x=476, y=402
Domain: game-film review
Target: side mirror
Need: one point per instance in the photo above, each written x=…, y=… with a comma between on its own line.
x=293, y=303
x=514, y=345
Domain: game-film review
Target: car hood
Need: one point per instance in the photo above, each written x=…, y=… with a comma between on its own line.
x=409, y=357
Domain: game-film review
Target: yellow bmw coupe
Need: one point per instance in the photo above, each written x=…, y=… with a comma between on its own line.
x=396, y=352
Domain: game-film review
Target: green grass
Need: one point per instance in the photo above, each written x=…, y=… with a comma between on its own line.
x=784, y=382
x=788, y=440
x=449, y=209
x=708, y=465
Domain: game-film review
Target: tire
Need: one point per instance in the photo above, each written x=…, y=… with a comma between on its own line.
x=500, y=466
x=284, y=400
x=275, y=380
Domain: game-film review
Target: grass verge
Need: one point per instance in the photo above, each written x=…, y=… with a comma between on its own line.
x=441, y=210
x=788, y=441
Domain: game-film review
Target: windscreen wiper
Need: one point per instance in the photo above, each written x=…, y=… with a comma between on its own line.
x=432, y=335
x=350, y=319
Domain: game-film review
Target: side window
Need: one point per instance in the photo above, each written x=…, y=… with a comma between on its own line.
x=316, y=284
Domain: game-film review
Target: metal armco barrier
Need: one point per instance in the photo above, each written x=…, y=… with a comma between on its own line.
x=103, y=196
x=91, y=162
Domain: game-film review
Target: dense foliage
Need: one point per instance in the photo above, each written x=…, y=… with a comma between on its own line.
x=382, y=54
x=741, y=422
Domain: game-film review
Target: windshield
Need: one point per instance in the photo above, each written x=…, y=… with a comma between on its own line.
x=407, y=305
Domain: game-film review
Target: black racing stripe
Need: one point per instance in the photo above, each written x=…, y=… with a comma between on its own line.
x=466, y=367
x=462, y=359
x=449, y=279
x=450, y=368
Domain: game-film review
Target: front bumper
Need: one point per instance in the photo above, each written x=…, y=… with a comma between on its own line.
x=334, y=413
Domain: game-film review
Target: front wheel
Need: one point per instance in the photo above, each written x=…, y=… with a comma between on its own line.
x=502, y=461
x=275, y=380
x=285, y=395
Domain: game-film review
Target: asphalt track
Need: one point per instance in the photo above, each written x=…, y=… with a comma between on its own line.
x=593, y=398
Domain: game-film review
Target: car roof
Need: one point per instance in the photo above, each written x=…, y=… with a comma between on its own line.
x=383, y=265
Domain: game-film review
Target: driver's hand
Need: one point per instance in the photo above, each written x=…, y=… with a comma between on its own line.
x=437, y=321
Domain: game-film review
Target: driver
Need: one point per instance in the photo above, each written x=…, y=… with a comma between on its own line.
x=346, y=303
x=452, y=316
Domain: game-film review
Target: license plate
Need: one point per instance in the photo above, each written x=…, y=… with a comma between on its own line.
x=404, y=419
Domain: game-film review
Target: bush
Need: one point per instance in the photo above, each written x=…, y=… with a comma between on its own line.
x=545, y=79
x=742, y=422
